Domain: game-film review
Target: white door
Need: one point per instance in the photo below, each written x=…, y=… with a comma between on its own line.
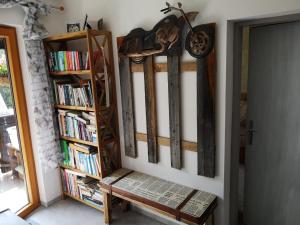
x=272, y=181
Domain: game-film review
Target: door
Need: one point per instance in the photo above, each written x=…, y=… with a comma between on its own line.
x=272, y=180
x=18, y=186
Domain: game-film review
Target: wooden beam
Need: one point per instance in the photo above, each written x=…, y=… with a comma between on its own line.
x=164, y=141
x=128, y=107
x=163, y=67
x=174, y=110
x=150, y=100
x=107, y=207
x=205, y=122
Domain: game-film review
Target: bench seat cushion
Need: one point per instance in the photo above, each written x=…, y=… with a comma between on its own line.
x=155, y=189
x=166, y=194
x=198, y=204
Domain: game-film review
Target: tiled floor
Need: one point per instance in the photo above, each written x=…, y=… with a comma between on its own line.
x=70, y=212
x=13, y=194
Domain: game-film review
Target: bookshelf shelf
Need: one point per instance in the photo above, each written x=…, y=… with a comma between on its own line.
x=84, y=202
x=96, y=87
x=71, y=73
x=79, y=141
x=76, y=35
x=70, y=107
x=79, y=171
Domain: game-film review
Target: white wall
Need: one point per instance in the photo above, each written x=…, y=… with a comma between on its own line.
x=48, y=181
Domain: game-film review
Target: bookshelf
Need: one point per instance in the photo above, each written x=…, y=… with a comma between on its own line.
x=84, y=99
x=70, y=73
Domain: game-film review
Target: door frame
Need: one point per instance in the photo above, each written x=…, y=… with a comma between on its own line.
x=10, y=36
x=235, y=35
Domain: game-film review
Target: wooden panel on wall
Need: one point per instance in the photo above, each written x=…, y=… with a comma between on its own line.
x=174, y=110
x=163, y=67
x=164, y=141
x=128, y=107
x=206, y=115
x=150, y=101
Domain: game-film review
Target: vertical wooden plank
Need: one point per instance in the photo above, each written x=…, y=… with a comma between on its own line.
x=128, y=107
x=151, y=110
x=103, y=170
x=114, y=104
x=205, y=121
x=174, y=110
x=107, y=207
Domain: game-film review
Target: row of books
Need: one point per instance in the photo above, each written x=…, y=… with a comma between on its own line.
x=67, y=93
x=68, y=61
x=89, y=191
x=82, y=187
x=82, y=157
x=79, y=125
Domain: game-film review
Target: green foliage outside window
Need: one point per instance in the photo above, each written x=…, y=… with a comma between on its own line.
x=5, y=91
x=3, y=63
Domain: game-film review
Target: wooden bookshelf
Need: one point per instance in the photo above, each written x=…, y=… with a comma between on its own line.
x=79, y=171
x=71, y=73
x=79, y=141
x=71, y=107
x=84, y=202
x=77, y=35
x=106, y=113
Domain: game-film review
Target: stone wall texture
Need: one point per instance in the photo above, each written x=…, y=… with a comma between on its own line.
x=45, y=129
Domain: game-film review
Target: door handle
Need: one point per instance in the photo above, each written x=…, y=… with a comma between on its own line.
x=251, y=131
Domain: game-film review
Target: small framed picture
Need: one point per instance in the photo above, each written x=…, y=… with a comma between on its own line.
x=73, y=27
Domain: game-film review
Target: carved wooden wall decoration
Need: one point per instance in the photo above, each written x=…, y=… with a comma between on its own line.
x=140, y=47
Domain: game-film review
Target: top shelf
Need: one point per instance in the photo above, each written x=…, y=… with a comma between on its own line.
x=75, y=35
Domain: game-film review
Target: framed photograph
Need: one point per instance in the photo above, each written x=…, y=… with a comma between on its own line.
x=73, y=27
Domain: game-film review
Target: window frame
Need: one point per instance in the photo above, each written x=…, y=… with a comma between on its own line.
x=13, y=58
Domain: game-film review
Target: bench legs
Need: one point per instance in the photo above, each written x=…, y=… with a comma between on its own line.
x=210, y=220
x=125, y=206
x=107, y=207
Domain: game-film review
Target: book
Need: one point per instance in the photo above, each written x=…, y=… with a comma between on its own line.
x=68, y=61
x=72, y=94
x=64, y=147
x=71, y=124
x=83, y=148
x=85, y=161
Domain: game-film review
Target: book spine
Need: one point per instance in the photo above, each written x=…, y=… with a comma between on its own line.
x=66, y=94
x=77, y=61
x=80, y=60
x=87, y=62
x=50, y=61
x=65, y=60
x=90, y=94
x=60, y=61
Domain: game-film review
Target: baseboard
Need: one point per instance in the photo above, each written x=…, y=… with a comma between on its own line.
x=155, y=216
x=47, y=204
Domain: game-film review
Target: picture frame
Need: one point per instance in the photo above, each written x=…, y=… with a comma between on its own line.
x=73, y=27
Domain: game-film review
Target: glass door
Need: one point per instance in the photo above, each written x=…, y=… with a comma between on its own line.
x=13, y=190
x=16, y=186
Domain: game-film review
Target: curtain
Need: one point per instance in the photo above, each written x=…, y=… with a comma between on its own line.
x=44, y=130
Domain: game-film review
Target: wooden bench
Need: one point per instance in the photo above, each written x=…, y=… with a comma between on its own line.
x=179, y=202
